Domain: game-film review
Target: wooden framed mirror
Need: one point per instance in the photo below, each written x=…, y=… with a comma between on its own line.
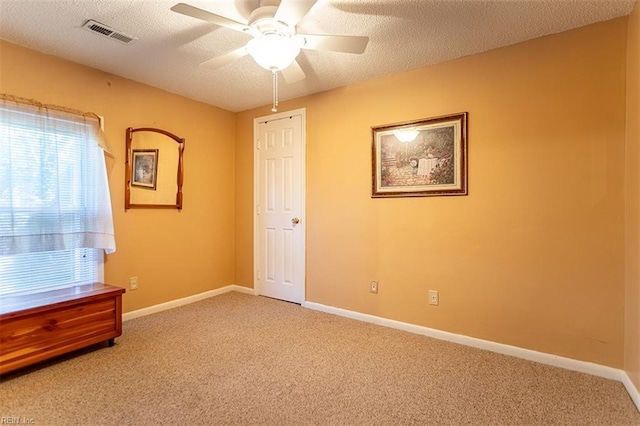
x=154, y=170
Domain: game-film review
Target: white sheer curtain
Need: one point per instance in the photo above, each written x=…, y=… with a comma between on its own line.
x=54, y=191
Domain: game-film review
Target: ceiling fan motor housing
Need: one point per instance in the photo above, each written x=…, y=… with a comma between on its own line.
x=262, y=20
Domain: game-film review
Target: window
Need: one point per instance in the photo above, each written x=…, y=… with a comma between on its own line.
x=55, y=210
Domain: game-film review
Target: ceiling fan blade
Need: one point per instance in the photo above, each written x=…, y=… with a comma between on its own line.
x=335, y=43
x=227, y=58
x=292, y=11
x=194, y=12
x=293, y=73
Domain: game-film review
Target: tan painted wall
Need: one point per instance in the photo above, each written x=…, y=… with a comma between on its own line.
x=632, y=219
x=534, y=255
x=173, y=254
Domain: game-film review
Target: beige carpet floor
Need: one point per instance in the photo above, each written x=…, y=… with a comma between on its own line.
x=240, y=359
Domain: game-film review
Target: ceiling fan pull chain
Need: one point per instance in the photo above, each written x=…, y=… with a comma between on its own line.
x=274, y=108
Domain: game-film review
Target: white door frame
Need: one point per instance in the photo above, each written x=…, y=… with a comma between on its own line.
x=302, y=112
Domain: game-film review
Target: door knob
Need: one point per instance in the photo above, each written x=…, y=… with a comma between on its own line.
x=295, y=221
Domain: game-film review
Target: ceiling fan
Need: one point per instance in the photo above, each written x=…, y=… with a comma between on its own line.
x=275, y=43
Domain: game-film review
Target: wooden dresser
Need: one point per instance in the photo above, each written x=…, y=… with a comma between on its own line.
x=36, y=327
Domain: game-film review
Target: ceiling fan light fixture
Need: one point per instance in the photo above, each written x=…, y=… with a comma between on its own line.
x=273, y=52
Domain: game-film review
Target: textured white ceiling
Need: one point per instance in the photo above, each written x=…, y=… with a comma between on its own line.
x=404, y=34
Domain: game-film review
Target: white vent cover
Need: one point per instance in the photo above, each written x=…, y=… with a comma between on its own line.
x=107, y=31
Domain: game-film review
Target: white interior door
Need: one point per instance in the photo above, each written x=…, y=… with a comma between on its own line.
x=279, y=232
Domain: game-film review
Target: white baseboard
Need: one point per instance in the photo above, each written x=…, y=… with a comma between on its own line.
x=528, y=354
x=185, y=301
x=632, y=389
x=242, y=289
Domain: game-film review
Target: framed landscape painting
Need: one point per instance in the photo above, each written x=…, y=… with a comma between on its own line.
x=145, y=168
x=421, y=158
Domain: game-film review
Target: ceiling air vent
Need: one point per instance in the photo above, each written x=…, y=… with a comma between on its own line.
x=106, y=31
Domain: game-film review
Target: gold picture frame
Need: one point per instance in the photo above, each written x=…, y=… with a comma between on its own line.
x=422, y=158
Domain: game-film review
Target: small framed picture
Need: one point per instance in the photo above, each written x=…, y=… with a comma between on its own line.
x=145, y=168
x=420, y=158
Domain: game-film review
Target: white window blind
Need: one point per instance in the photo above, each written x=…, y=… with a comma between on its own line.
x=32, y=272
x=55, y=209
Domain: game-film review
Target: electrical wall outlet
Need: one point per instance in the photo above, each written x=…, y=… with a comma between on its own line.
x=434, y=299
x=374, y=287
x=133, y=283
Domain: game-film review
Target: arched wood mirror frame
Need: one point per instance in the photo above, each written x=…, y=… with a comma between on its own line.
x=128, y=171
